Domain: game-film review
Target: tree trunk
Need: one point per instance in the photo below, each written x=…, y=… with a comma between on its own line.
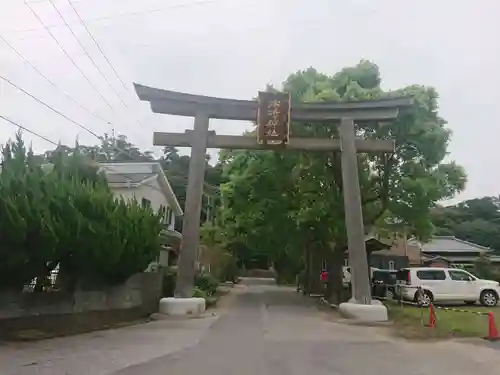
x=334, y=290
x=306, y=281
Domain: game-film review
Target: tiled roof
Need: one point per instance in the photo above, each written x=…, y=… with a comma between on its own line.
x=122, y=178
x=451, y=244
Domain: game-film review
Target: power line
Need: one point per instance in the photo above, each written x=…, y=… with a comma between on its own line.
x=67, y=54
x=63, y=115
x=54, y=143
x=43, y=137
x=127, y=14
x=57, y=144
x=96, y=43
x=86, y=52
x=49, y=107
x=28, y=130
x=101, y=51
x=26, y=61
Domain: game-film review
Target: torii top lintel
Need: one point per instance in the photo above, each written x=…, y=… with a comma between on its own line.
x=182, y=104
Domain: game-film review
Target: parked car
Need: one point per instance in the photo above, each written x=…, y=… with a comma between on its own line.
x=346, y=275
x=384, y=284
x=445, y=285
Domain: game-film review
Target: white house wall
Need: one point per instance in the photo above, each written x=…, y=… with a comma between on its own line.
x=151, y=191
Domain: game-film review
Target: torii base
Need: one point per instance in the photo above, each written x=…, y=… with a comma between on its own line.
x=182, y=307
x=375, y=312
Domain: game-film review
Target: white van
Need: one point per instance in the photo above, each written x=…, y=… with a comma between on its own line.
x=445, y=285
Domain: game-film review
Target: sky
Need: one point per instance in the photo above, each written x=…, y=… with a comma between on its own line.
x=233, y=48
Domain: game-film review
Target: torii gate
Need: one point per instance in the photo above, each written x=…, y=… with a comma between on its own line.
x=273, y=133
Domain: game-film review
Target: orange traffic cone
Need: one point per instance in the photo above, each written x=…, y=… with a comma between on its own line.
x=492, y=328
x=432, y=317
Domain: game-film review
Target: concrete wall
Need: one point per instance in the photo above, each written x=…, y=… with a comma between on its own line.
x=150, y=191
x=141, y=292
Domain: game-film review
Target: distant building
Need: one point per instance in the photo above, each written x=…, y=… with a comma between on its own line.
x=449, y=251
x=147, y=183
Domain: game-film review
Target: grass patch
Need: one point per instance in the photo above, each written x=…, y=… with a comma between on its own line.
x=409, y=321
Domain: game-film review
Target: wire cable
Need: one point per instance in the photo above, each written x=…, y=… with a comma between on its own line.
x=26, y=61
x=86, y=52
x=50, y=107
x=28, y=130
x=96, y=43
x=82, y=22
x=127, y=14
x=137, y=121
x=57, y=144
x=68, y=55
x=63, y=115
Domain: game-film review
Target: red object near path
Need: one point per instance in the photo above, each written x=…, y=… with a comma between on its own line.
x=324, y=276
x=492, y=328
x=432, y=317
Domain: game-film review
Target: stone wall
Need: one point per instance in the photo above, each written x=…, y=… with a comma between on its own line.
x=137, y=298
x=138, y=291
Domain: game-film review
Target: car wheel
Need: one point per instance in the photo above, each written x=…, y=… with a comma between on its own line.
x=423, y=298
x=389, y=294
x=488, y=298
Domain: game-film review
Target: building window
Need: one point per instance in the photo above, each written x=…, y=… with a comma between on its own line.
x=324, y=265
x=168, y=216
x=392, y=265
x=145, y=202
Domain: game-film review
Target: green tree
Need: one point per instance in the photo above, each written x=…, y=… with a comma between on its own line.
x=28, y=243
x=111, y=149
x=102, y=239
x=299, y=196
x=476, y=220
x=176, y=169
x=65, y=214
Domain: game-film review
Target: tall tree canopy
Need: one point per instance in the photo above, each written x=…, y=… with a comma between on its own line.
x=282, y=202
x=176, y=168
x=475, y=220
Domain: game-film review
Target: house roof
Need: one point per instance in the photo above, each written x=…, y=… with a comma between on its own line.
x=135, y=174
x=450, y=244
x=427, y=258
x=124, y=178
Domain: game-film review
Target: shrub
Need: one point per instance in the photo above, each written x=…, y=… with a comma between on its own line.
x=230, y=271
x=210, y=301
x=207, y=283
x=169, y=281
x=199, y=293
x=67, y=216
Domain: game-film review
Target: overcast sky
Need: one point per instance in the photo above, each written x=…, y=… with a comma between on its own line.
x=233, y=48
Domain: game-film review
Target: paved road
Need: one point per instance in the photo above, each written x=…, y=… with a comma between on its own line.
x=274, y=331
x=263, y=330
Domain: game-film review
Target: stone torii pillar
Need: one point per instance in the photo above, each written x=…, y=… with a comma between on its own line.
x=356, y=247
x=202, y=108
